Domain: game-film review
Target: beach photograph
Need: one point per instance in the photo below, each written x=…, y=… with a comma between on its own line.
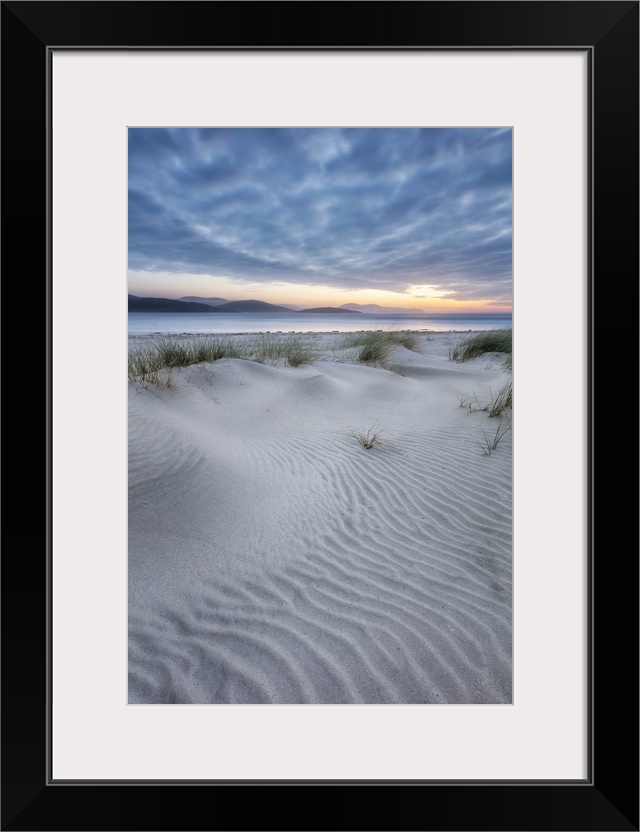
x=320, y=415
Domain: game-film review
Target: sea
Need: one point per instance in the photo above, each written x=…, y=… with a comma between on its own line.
x=181, y=323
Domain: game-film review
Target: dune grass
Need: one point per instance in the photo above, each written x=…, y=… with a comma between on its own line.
x=271, y=348
x=490, y=442
x=493, y=340
x=368, y=438
x=154, y=362
x=151, y=363
x=376, y=346
x=298, y=354
x=502, y=401
x=496, y=404
x=144, y=374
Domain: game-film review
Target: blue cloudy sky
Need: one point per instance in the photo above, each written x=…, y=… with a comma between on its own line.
x=402, y=217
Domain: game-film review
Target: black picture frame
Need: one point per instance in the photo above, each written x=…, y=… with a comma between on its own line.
x=608, y=798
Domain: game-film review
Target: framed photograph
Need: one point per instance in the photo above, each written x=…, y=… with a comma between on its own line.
x=515, y=723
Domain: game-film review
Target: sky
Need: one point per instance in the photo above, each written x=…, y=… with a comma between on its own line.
x=401, y=217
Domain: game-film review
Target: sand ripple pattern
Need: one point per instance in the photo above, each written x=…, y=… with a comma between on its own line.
x=382, y=576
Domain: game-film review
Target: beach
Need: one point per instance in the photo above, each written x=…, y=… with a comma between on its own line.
x=273, y=557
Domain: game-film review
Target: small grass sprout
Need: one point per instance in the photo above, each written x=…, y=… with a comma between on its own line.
x=465, y=401
x=502, y=401
x=497, y=404
x=490, y=442
x=368, y=438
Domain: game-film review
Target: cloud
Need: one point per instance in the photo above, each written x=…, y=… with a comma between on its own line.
x=373, y=208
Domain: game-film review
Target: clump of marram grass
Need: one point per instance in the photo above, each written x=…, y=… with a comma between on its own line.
x=143, y=368
x=376, y=345
x=502, y=401
x=271, y=348
x=405, y=338
x=151, y=363
x=374, y=348
x=213, y=349
x=490, y=442
x=493, y=340
x=165, y=354
x=267, y=348
x=297, y=354
x=368, y=438
x=496, y=404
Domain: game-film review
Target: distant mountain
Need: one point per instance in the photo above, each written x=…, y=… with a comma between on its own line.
x=375, y=309
x=251, y=306
x=332, y=310
x=219, y=301
x=137, y=304
x=209, y=301
x=191, y=303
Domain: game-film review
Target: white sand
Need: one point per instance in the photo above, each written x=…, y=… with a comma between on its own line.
x=273, y=559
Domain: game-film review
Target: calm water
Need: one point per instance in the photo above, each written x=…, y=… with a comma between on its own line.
x=146, y=323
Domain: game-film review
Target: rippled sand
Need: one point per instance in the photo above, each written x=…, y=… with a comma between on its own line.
x=273, y=559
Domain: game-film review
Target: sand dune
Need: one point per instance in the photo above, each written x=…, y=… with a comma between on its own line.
x=273, y=559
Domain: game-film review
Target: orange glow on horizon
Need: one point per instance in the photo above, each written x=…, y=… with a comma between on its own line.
x=431, y=299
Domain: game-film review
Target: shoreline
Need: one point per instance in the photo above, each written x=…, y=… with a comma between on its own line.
x=169, y=323
x=421, y=330
x=312, y=334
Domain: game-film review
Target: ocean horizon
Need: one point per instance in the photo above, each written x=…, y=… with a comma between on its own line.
x=180, y=323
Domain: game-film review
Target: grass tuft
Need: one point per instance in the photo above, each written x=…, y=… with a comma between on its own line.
x=502, y=401
x=298, y=354
x=146, y=374
x=496, y=405
x=271, y=348
x=266, y=348
x=490, y=442
x=494, y=340
x=368, y=438
x=375, y=346
x=152, y=363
